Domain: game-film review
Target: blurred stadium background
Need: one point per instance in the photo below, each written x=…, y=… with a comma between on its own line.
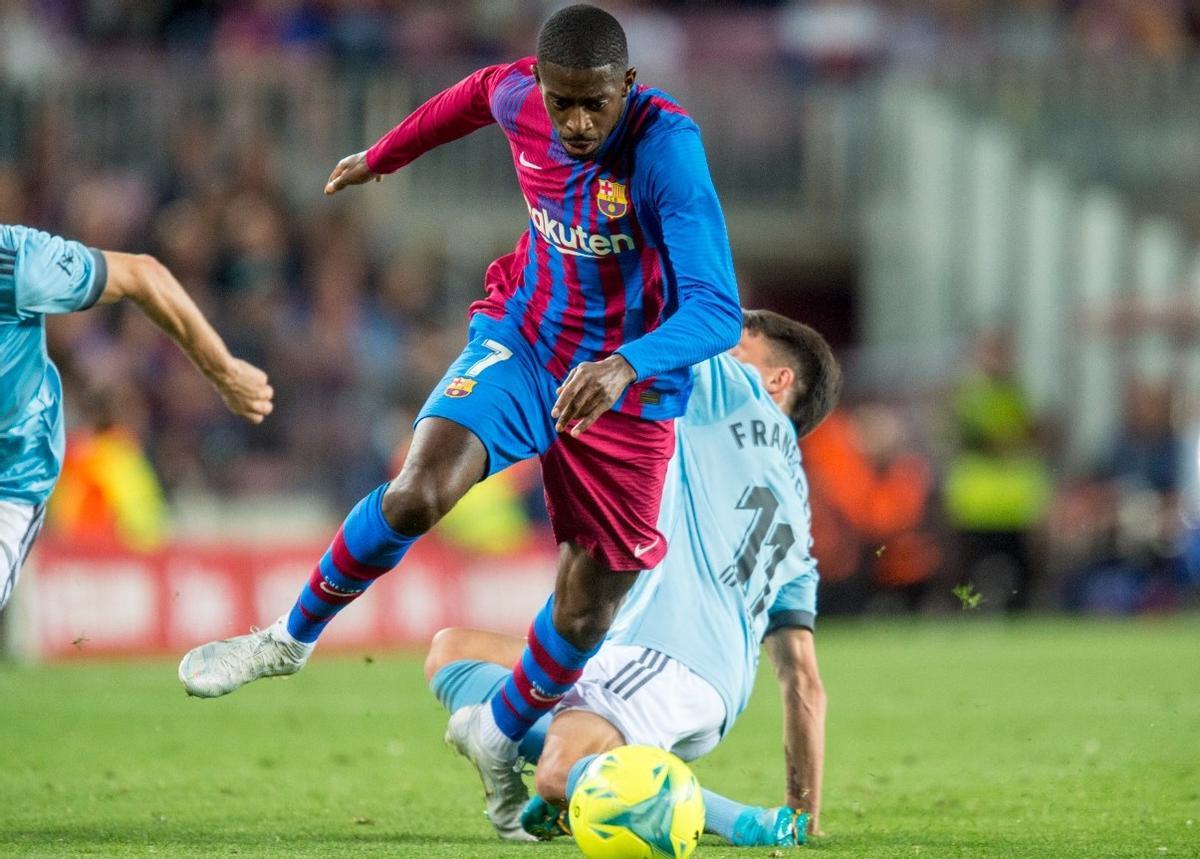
x=989, y=208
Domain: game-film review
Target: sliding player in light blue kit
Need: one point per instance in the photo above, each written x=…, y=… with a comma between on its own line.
x=679, y=663
x=43, y=274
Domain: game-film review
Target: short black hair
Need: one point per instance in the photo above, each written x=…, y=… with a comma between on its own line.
x=818, y=377
x=582, y=37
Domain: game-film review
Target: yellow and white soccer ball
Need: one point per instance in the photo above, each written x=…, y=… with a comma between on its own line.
x=637, y=802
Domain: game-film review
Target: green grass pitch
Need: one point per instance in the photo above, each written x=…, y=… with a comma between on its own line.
x=967, y=737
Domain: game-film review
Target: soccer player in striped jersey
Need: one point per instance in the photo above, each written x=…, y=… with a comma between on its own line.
x=43, y=274
x=679, y=664
x=579, y=354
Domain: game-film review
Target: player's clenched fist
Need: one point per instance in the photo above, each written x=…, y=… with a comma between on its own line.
x=589, y=391
x=351, y=170
x=245, y=390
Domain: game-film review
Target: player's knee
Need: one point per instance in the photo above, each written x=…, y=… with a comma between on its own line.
x=412, y=506
x=444, y=648
x=550, y=779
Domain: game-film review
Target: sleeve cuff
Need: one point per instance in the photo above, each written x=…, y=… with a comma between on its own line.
x=370, y=157
x=99, y=278
x=632, y=361
x=791, y=620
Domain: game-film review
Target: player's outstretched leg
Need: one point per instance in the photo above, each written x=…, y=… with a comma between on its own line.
x=445, y=460
x=753, y=826
x=364, y=548
x=217, y=668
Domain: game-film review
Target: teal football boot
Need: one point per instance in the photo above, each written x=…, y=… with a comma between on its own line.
x=544, y=821
x=770, y=827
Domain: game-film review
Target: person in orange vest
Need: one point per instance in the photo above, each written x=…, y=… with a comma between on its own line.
x=871, y=499
x=108, y=491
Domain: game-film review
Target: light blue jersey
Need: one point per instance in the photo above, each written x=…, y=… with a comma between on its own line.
x=735, y=510
x=39, y=274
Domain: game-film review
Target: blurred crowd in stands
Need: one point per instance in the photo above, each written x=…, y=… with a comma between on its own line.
x=910, y=498
x=353, y=341
x=967, y=489
x=815, y=36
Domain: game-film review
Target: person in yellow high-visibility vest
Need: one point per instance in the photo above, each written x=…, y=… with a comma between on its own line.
x=998, y=485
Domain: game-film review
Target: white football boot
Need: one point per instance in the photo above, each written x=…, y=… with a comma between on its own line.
x=217, y=668
x=499, y=769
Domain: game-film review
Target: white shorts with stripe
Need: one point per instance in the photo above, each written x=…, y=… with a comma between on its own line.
x=19, y=526
x=652, y=699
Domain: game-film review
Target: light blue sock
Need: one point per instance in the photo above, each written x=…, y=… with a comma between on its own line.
x=721, y=814
x=470, y=681
x=577, y=769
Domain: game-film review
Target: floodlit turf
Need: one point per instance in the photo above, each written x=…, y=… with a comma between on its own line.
x=968, y=737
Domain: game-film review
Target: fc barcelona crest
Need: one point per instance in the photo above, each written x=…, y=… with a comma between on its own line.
x=611, y=198
x=460, y=386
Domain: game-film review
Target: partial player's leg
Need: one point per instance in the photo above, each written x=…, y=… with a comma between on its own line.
x=573, y=736
x=641, y=696
x=565, y=634
x=473, y=424
x=752, y=825
x=444, y=462
x=462, y=644
x=466, y=667
x=491, y=735
x=646, y=698
x=19, y=527
x=603, y=491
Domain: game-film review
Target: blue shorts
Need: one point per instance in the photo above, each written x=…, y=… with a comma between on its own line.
x=603, y=488
x=498, y=390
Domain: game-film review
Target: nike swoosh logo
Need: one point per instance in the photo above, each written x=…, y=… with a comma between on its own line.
x=525, y=162
x=638, y=551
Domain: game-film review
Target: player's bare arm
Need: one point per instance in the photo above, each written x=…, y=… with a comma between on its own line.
x=589, y=391
x=351, y=170
x=151, y=286
x=794, y=656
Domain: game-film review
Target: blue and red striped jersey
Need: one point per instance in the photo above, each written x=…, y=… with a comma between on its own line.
x=626, y=251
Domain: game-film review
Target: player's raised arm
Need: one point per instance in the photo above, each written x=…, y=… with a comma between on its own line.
x=794, y=656
x=449, y=115
x=148, y=284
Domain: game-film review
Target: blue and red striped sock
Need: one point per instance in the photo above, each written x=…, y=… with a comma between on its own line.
x=364, y=548
x=548, y=668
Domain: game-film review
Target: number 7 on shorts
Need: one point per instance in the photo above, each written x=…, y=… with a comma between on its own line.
x=499, y=352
